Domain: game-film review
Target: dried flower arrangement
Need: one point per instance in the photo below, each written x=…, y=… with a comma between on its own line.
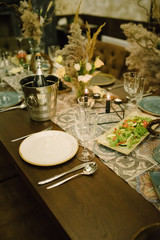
x=144, y=47
x=144, y=51
x=32, y=22
x=75, y=58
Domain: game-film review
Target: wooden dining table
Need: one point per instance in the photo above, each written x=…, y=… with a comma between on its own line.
x=97, y=207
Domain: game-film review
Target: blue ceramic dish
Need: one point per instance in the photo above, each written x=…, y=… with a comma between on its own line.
x=8, y=99
x=150, y=105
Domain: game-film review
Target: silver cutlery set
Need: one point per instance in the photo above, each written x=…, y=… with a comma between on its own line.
x=88, y=169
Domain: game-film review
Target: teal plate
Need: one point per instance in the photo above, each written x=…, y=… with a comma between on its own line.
x=8, y=99
x=156, y=154
x=150, y=105
x=155, y=177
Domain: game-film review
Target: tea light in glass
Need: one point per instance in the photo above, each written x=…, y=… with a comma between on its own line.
x=117, y=101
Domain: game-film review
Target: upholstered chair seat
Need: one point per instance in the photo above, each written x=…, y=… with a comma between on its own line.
x=113, y=56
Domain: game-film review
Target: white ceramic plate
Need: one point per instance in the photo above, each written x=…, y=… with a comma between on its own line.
x=48, y=148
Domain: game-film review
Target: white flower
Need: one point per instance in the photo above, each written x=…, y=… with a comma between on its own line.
x=77, y=66
x=84, y=78
x=59, y=59
x=98, y=63
x=60, y=72
x=88, y=66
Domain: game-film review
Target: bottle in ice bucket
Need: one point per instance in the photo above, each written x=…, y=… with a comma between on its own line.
x=39, y=79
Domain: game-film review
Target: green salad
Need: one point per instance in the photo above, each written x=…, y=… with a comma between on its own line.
x=130, y=132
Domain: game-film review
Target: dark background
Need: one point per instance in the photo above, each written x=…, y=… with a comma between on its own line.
x=9, y=26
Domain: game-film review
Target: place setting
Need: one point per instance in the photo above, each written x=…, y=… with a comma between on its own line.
x=39, y=148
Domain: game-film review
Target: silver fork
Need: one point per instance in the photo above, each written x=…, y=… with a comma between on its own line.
x=20, y=138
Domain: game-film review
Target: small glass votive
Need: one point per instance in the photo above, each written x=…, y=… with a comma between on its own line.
x=117, y=101
x=85, y=102
x=96, y=96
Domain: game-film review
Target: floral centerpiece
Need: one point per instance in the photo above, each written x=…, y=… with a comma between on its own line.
x=75, y=63
x=144, y=49
x=80, y=75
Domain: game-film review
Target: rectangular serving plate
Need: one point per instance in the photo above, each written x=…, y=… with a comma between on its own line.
x=102, y=139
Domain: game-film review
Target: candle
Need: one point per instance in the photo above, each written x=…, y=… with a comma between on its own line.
x=86, y=92
x=108, y=104
x=96, y=96
x=117, y=101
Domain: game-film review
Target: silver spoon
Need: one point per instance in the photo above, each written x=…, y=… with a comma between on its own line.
x=89, y=169
x=23, y=105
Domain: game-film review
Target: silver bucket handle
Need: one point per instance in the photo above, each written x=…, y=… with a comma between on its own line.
x=32, y=101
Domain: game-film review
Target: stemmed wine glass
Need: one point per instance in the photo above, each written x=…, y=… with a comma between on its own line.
x=134, y=84
x=19, y=38
x=130, y=85
x=141, y=80
x=83, y=127
x=4, y=66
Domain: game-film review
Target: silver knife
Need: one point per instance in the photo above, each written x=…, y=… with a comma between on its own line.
x=62, y=174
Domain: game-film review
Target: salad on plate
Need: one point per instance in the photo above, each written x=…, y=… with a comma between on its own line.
x=127, y=134
x=130, y=132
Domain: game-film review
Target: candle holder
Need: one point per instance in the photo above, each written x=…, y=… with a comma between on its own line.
x=112, y=107
x=96, y=96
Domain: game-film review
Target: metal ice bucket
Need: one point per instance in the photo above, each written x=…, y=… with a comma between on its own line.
x=41, y=101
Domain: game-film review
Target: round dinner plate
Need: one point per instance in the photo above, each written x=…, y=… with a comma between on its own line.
x=102, y=79
x=48, y=148
x=9, y=99
x=150, y=105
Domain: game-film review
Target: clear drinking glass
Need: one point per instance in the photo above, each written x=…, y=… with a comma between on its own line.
x=51, y=51
x=4, y=63
x=83, y=127
x=140, y=87
x=130, y=84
